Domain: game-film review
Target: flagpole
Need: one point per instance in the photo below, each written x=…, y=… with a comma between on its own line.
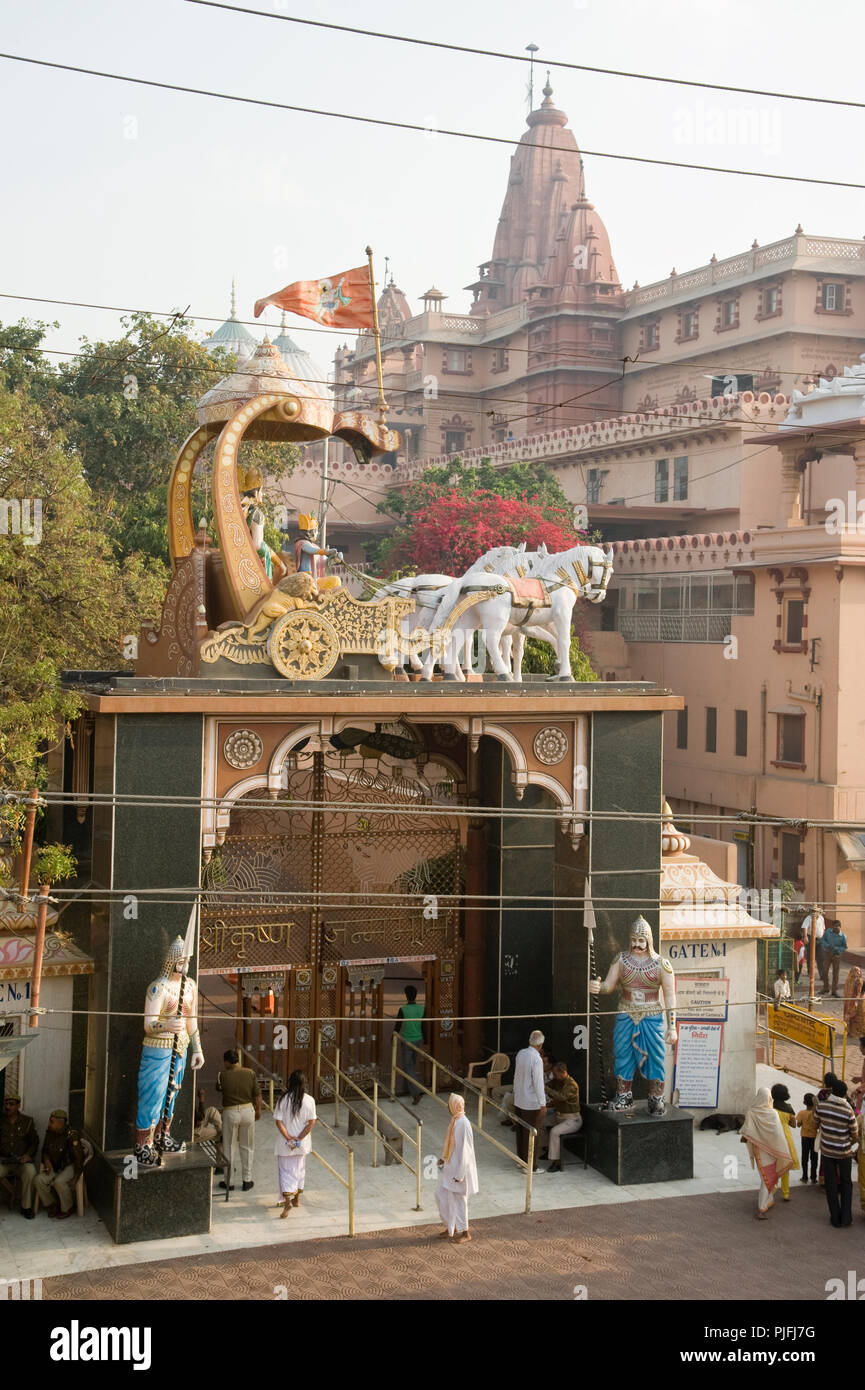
x=382, y=403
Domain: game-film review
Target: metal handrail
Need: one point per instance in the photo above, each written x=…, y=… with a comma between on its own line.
x=348, y=1182
x=437, y=1066
x=340, y=1075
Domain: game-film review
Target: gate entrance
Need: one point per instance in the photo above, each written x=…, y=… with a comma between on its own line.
x=325, y=901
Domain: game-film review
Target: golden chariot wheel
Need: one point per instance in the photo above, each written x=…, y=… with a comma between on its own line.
x=303, y=645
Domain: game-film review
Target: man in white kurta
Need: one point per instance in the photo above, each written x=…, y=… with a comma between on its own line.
x=459, y=1175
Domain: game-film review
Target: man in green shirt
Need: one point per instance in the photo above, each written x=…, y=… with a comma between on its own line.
x=411, y=1030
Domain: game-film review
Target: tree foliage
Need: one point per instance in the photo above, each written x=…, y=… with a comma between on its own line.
x=452, y=515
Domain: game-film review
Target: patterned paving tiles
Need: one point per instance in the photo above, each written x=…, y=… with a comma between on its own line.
x=706, y=1248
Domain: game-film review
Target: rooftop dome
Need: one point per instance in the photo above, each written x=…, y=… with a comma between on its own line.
x=265, y=373
x=302, y=365
x=232, y=336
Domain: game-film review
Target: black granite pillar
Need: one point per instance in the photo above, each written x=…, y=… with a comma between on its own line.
x=624, y=854
x=519, y=931
x=152, y=847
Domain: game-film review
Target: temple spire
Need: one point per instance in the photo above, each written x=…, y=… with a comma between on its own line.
x=233, y=313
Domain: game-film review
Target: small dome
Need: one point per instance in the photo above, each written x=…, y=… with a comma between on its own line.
x=302, y=365
x=232, y=336
x=264, y=373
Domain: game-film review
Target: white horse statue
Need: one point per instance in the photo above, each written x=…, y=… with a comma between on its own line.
x=429, y=590
x=545, y=594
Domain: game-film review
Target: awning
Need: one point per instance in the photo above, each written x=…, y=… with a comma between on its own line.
x=852, y=845
x=60, y=956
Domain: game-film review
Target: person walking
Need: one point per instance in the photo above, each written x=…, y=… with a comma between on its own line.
x=563, y=1094
x=241, y=1107
x=806, y=1120
x=782, y=1106
x=62, y=1162
x=530, y=1099
x=459, y=1174
x=839, y=1137
x=834, y=946
x=767, y=1146
x=295, y=1117
x=410, y=1029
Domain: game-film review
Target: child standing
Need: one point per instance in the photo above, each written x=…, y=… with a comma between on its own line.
x=806, y=1120
x=787, y=1116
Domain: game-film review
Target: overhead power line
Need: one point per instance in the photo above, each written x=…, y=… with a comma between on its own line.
x=520, y=58
x=414, y=126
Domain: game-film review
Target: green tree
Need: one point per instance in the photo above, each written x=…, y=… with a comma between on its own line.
x=67, y=602
x=128, y=406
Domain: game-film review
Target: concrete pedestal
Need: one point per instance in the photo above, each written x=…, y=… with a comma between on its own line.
x=173, y=1200
x=631, y=1146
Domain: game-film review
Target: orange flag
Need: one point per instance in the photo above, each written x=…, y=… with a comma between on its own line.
x=341, y=301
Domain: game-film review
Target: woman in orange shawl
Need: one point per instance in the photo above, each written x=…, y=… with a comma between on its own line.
x=768, y=1147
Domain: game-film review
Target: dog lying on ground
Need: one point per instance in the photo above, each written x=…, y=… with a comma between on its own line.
x=723, y=1124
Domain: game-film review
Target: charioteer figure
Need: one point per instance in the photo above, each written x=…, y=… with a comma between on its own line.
x=252, y=502
x=309, y=556
x=162, y=1023
x=648, y=989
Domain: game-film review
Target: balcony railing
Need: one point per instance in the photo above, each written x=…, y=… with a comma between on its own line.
x=676, y=627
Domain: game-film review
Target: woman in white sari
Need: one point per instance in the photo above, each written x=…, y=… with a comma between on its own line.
x=295, y=1117
x=768, y=1147
x=459, y=1175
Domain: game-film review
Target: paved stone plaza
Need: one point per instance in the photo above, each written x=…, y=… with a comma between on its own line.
x=385, y=1197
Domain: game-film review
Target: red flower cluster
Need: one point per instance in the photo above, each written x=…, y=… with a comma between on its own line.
x=448, y=534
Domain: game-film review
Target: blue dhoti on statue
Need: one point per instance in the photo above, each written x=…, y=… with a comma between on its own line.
x=153, y=1083
x=639, y=1045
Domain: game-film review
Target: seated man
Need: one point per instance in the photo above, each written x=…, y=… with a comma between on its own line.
x=18, y=1144
x=563, y=1094
x=62, y=1162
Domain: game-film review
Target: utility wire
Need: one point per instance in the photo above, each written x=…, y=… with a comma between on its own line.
x=520, y=58
x=570, y=353
x=414, y=126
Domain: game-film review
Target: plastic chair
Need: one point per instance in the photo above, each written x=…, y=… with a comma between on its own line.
x=497, y=1064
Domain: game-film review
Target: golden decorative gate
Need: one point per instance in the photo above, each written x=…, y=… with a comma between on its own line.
x=328, y=892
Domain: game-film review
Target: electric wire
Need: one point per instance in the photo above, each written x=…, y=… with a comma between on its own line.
x=414, y=126
x=520, y=58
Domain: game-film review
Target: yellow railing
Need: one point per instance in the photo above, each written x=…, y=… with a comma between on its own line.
x=347, y=1182
x=466, y=1086
x=340, y=1077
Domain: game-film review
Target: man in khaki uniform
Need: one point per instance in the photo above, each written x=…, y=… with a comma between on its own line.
x=241, y=1107
x=18, y=1144
x=62, y=1162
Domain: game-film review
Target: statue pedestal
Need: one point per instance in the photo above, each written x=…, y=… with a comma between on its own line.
x=173, y=1200
x=631, y=1146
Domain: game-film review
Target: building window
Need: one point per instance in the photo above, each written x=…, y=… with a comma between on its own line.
x=791, y=739
x=728, y=314
x=680, y=479
x=689, y=324
x=456, y=360
x=455, y=441
x=741, y=733
x=662, y=481
x=832, y=298
x=682, y=728
x=711, y=729
x=593, y=485
x=771, y=301
x=794, y=622
x=791, y=848
x=651, y=337
x=500, y=360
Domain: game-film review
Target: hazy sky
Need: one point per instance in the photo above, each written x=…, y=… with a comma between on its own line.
x=126, y=195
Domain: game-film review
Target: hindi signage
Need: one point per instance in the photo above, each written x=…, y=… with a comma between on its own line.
x=702, y=996
x=799, y=1027
x=697, y=1075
